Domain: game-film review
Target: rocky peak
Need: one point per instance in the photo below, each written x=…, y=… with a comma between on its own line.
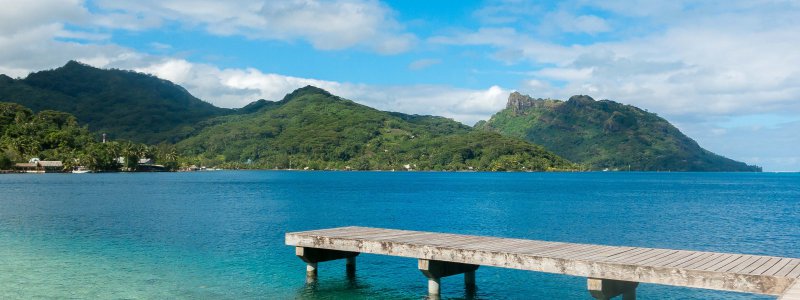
x=519, y=103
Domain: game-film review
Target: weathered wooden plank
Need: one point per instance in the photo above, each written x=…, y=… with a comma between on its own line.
x=421, y=238
x=794, y=273
x=378, y=234
x=634, y=256
x=713, y=257
x=658, y=260
x=611, y=251
x=512, y=246
x=336, y=232
x=565, y=250
x=458, y=242
x=540, y=247
x=777, y=267
x=741, y=262
x=398, y=236
x=404, y=238
x=699, y=257
x=789, y=267
x=689, y=256
x=752, y=259
x=355, y=233
x=534, y=249
x=722, y=263
x=661, y=266
x=583, y=254
x=625, y=256
x=766, y=266
x=645, y=255
x=752, y=267
x=678, y=258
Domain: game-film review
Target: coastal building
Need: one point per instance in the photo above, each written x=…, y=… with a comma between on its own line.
x=40, y=166
x=51, y=166
x=26, y=167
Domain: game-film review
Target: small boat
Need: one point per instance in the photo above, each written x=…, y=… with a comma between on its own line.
x=81, y=170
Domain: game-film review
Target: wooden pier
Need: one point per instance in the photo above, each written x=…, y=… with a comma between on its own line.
x=611, y=270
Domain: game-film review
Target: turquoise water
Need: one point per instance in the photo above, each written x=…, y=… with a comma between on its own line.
x=219, y=235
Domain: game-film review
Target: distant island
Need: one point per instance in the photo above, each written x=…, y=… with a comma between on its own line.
x=61, y=114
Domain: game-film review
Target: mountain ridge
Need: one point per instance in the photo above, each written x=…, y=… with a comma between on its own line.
x=124, y=104
x=605, y=134
x=311, y=128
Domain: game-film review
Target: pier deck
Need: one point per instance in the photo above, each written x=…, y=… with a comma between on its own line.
x=611, y=270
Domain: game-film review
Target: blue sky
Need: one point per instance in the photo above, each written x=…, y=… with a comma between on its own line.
x=726, y=73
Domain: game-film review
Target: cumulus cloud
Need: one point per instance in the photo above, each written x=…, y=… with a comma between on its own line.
x=35, y=36
x=237, y=87
x=738, y=62
x=327, y=25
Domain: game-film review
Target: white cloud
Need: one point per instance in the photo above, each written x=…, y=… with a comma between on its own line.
x=238, y=87
x=21, y=16
x=327, y=25
x=728, y=62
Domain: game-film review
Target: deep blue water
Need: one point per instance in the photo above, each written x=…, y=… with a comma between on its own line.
x=219, y=235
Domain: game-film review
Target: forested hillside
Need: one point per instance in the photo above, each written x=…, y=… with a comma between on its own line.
x=53, y=135
x=605, y=134
x=310, y=128
x=123, y=104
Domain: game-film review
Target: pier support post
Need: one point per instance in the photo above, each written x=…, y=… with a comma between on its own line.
x=350, y=267
x=434, y=286
x=469, y=279
x=313, y=256
x=311, y=272
x=435, y=270
x=605, y=289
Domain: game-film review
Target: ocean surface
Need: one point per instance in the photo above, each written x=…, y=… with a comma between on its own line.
x=219, y=235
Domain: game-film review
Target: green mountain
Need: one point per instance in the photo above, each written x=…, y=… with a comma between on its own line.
x=123, y=104
x=605, y=134
x=310, y=128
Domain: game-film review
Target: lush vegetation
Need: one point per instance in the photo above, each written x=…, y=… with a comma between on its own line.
x=52, y=135
x=313, y=129
x=606, y=134
x=124, y=104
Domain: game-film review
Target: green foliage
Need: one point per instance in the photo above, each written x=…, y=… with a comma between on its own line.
x=5, y=162
x=124, y=104
x=606, y=134
x=52, y=135
x=311, y=128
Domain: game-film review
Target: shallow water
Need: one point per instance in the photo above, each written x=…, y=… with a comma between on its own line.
x=219, y=235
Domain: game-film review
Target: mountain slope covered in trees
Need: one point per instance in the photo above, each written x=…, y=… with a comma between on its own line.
x=53, y=135
x=124, y=104
x=605, y=134
x=310, y=128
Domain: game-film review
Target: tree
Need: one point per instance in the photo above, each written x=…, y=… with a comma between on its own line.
x=5, y=162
